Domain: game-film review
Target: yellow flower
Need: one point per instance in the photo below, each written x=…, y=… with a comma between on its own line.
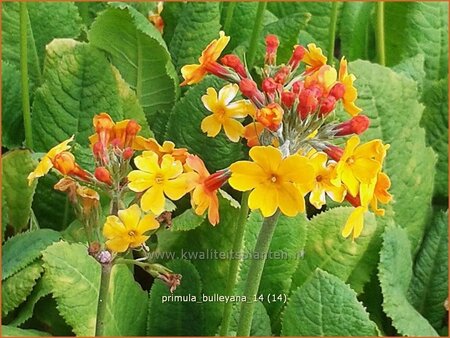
x=168, y=147
x=158, y=180
x=350, y=94
x=127, y=230
x=276, y=182
x=376, y=191
x=355, y=223
x=46, y=162
x=322, y=185
x=325, y=77
x=195, y=73
x=224, y=112
x=314, y=58
x=359, y=164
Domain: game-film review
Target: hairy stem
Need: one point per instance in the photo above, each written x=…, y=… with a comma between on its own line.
x=256, y=33
x=102, y=299
x=380, y=34
x=255, y=273
x=332, y=31
x=229, y=16
x=234, y=264
x=24, y=75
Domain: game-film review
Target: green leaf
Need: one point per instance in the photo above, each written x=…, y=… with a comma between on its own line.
x=390, y=101
x=285, y=251
x=328, y=250
x=12, y=121
x=75, y=279
x=395, y=271
x=183, y=128
x=413, y=68
x=172, y=317
x=204, y=247
x=429, y=285
x=260, y=322
x=47, y=21
x=17, y=165
x=78, y=83
x=326, y=306
x=23, y=249
x=197, y=25
x=356, y=30
x=126, y=313
x=5, y=217
x=144, y=61
x=170, y=14
x=11, y=331
x=188, y=220
x=16, y=288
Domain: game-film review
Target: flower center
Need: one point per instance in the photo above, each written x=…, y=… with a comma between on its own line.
x=273, y=179
x=131, y=233
x=350, y=160
x=319, y=178
x=159, y=179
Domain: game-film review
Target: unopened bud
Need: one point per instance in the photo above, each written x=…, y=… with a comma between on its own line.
x=133, y=128
x=282, y=75
x=288, y=99
x=298, y=86
x=272, y=44
x=337, y=91
x=269, y=85
x=327, y=105
x=127, y=153
x=250, y=90
x=235, y=63
x=104, y=257
x=356, y=125
x=297, y=56
x=102, y=174
x=334, y=152
x=308, y=103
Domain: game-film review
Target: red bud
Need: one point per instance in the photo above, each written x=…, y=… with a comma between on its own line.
x=235, y=63
x=102, y=174
x=269, y=85
x=356, y=125
x=338, y=91
x=327, y=105
x=127, y=153
x=288, y=99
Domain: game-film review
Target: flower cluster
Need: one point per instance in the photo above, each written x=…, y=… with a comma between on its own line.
x=288, y=121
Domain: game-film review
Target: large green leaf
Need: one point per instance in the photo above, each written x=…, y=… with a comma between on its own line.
x=390, y=101
x=285, y=251
x=188, y=220
x=171, y=317
x=22, y=249
x=16, y=288
x=429, y=285
x=182, y=127
x=395, y=271
x=204, y=247
x=197, y=25
x=328, y=250
x=11, y=331
x=144, y=61
x=12, y=121
x=260, y=322
x=46, y=21
x=326, y=306
x=17, y=164
x=75, y=280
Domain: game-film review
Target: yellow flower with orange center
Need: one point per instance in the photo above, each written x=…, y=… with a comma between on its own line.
x=350, y=94
x=158, y=180
x=322, y=181
x=314, y=58
x=275, y=182
x=127, y=230
x=270, y=116
x=46, y=162
x=224, y=112
x=195, y=73
x=325, y=77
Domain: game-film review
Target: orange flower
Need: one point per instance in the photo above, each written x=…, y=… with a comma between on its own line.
x=350, y=94
x=270, y=116
x=314, y=58
x=195, y=73
x=168, y=147
x=252, y=131
x=65, y=163
x=156, y=19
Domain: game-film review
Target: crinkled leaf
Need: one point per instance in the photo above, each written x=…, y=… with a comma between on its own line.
x=395, y=271
x=144, y=61
x=15, y=289
x=188, y=220
x=176, y=318
x=11, y=331
x=17, y=164
x=75, y=280
x=429, y=285
x=326, y=306
x=328, y=250
x=22, y=249
x=413, y=68
x=170, y=14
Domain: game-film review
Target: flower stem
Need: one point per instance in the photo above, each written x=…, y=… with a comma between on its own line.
x=257, y=28
x=229, y=16
x=102, y=299
x=380, y=34
x=255, y=273
x=24, y=75
x=234, y=264
x=332, y=31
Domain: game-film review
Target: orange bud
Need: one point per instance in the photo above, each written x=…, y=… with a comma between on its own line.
x=127, y=153
x=64, y=162
x=334, y=152
x=103, y=122
x=102, y=174
x=270, y=116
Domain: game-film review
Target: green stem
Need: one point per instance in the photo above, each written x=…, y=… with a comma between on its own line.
x=24, y=75
x=254, y=274
x=229, y=17
x=256, y=33
x=380, y=34
x=332, y=31
x=102, y=299
x=234, y=264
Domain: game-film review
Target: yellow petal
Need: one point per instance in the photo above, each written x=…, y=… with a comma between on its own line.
x=317, y=196
x=140, y=181
x=264, y=197
x=170, y=167
x=350, y=181
x=268, y=157
x=290, y=200
x=365, y=170
x=176, y=188
x=153, y=200
x=296, y=168
x=337, y=194
x=355, y=223
x=119, y=244
x=233, y=129
x=192, y=74
x=246, y=175
x=42, y=168
x=210, y=99
x=138, y=241
x=211, y=125
x=213, y=210
x=148, y=222
x=130, y=217
x=351, y=108
x=318, y=161
x=200, y=200
x=238, y=109
x=63, y=146
x=227, y=94
x=148, y=162
x=113, y=227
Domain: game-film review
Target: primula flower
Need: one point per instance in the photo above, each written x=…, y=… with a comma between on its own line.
x=376, y=191
x=359, y=164
x=127, y=230
x=322, y=185
x=224, y=112
x=46, y=162
x=195, y=73
x=204, y=195
x=156, y=19
x=270, y=116
x=65, y=163
x=168, y=147
x=355, y=223
x=252, y=131
x=350, y=93
x=89, y=199
x=314, y=57
x=158, y=180
x=275, y=182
